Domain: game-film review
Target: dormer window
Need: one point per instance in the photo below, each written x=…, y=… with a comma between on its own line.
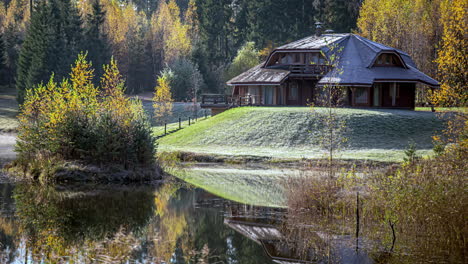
x=388, y=60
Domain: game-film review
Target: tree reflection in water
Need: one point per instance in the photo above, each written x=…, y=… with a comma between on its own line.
x=114, y=224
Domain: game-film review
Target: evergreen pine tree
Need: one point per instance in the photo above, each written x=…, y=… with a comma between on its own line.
x=51, y=44
x=32, y=65
x=96, y=40
x=12, y=41
x=139, y=70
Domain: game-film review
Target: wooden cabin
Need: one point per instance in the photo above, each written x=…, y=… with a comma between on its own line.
x=370, y=74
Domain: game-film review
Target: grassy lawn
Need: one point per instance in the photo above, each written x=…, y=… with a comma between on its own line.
x=293, y=132
x=443, y=109
x=172, y=127
x=182, y=110
x=8, y=109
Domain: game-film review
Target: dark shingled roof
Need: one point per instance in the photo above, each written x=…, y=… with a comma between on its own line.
x=259, y=75
x=313, y=42
x=356, y=56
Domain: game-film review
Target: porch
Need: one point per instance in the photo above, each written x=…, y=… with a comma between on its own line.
x=383, y=95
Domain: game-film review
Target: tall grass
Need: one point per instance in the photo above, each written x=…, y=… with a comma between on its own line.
x=423, y=202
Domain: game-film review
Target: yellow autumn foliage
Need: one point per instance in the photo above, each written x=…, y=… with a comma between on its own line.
x=76, y=120
x=162, y=100
x=432, y=32
x=170, y=35
x=452, y=58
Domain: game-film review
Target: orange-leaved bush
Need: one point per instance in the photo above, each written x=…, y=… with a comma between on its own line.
x=76, y=120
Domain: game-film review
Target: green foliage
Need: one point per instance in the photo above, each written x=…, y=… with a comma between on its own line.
x=52, y=41
x=74, y=120
x=410, y=153
x=247, y=57
x=12, y=41
x=186, y=79
x=96, y=41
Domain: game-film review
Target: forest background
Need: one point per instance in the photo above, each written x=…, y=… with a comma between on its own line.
x=199, y=44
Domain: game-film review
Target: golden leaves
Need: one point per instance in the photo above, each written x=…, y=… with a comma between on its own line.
x=170, y=34
x=162, y=100
x=452, y=60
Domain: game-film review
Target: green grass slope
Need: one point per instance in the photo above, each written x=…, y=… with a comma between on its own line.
x=294, y=132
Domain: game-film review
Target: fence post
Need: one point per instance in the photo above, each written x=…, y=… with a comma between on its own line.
x=189, y=121
x=205, y=113
x=357, y=214
x=180, y=126
x=165, y=128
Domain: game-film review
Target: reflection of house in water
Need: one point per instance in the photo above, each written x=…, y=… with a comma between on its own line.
x=272, y=241
x=266, y=227
x=279, y=248
x=299, y=246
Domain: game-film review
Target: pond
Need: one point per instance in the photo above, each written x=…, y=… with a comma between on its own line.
x=170, y=222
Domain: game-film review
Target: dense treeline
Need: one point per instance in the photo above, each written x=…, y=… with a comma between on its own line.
x=145, y=37
x=202, y=37
x=432, y=32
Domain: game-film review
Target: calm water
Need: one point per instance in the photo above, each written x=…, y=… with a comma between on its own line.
x=114, y=224
x=168, y=223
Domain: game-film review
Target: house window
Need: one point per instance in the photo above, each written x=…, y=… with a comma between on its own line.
x=293, y=91
x=297, y=57
x=361, y=96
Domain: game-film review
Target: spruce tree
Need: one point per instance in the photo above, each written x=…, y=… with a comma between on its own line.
x=32, y=65
x=52, y=43
x=139, y=73
x=12, y=40
x=96, y=40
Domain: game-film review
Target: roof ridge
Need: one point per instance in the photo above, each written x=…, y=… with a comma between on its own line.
x=361, y=39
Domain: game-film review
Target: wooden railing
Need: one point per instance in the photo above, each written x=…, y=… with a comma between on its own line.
x=310, y=69
x=214, y=99
x=232, y=101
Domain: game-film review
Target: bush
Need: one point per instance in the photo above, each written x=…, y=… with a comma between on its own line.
x=426, y=199
x=75, y=120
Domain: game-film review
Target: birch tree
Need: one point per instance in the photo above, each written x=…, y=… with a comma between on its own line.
x=162, y=99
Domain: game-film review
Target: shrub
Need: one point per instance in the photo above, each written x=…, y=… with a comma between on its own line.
x=423, y=201
x=186, y=80
x=426, y=198
x=75, y=120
